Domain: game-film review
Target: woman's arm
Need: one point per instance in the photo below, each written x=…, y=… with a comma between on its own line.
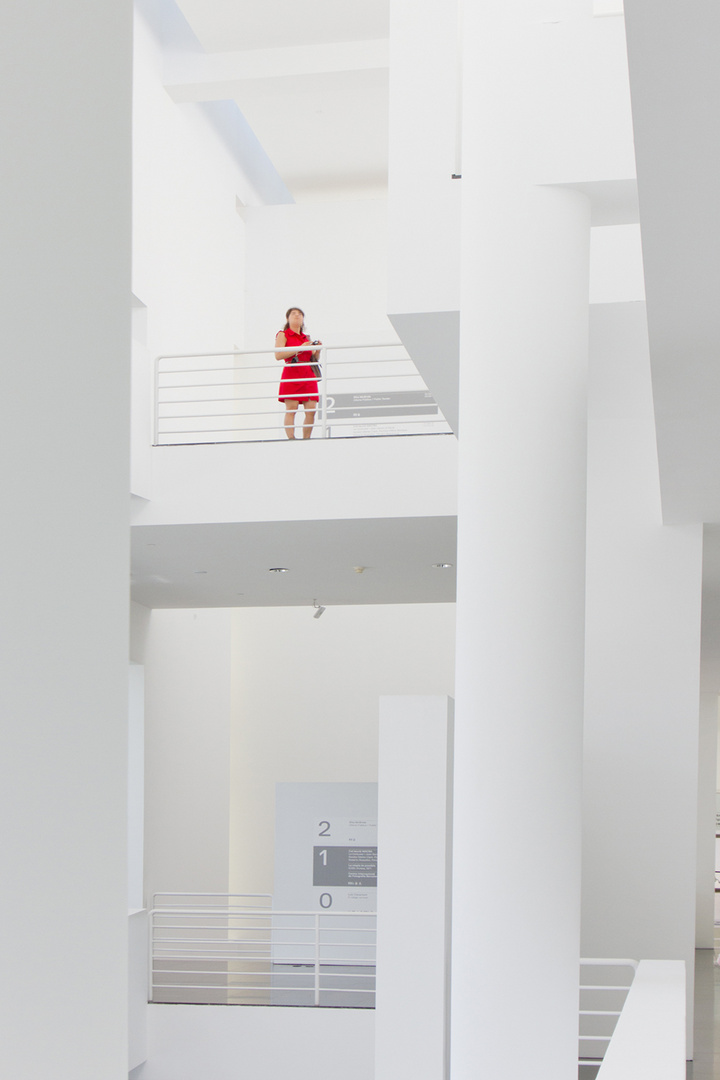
x=282, y=354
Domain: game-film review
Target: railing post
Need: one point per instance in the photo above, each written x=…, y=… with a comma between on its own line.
x=151, y=932
x=323, y=392
x=156, y=400
x=317, y=958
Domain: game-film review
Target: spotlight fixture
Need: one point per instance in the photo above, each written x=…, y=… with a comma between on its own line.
x=442, y=566
x=318, y=609
x=278, y=570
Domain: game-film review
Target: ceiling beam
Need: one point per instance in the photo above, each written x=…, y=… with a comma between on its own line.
x=217, y=76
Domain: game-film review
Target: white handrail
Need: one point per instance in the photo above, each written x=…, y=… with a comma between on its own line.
x=364, y=408
x=597, y=1040
x=206, y=949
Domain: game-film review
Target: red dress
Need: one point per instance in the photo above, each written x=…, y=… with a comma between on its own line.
x=298, y=383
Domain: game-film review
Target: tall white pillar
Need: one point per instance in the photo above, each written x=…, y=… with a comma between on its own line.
x=521, y=535
x=64, y=319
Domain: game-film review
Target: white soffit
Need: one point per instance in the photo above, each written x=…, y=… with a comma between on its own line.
x=228, y=565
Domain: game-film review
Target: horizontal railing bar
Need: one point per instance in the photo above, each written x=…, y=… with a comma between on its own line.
x=269, y=412
x=595, y=1038
x=324, y=914
x=602, y=987
x=305, y=347
x=228, y=895
x=274, y=382
x=268, y=427
x=273, y=366
x=595, y=1062
x=597, y=1012
x=165, y=941
x=263, y=974
x=264, y=397
x=262, y=930
x=232, y=986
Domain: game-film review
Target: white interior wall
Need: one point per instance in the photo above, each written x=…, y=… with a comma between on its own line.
x=424, y=152
x=239, y=699
x=188, y=251
x=616, y=265
x=187, y=701
x=335, y=478
x=305, y=704
x=187, y=1042
x=328, y=258
x=65, y=73
x=642, y=670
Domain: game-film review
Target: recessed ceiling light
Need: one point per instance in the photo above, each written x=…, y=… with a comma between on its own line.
x=200, y=571
x=279, y=570
x=442, y=566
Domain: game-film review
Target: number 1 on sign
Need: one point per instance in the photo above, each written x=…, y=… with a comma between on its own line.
x=323, y=856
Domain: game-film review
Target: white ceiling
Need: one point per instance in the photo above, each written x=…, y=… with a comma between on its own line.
x=228, y=565
x=226, y=25
x=311, y=79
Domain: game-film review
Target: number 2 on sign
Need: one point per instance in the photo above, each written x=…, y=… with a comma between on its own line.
x=326, y=830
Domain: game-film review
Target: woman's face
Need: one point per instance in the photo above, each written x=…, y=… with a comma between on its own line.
x=295, y=320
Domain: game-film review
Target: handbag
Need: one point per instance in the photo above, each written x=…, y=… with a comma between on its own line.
x=316, y=370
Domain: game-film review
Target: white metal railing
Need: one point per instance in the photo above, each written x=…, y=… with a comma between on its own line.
x=210, y=948
x=228, y=397
x=604, y=986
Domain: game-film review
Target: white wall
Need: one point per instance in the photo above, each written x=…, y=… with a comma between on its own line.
x=187, y=1042
x=187, y=680
x=240, y=699
x=616, y=265
x=188, y=252
x=330, y=259
x=65, y=77
x=424, y=200
x=305, y=704
x=642, y=670
x=335, y=478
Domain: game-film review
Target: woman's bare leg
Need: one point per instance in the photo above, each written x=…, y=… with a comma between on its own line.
x=291, y=408
x=309, y=419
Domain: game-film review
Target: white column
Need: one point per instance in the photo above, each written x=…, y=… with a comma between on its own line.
x=414, y=819
x=64, y=416
x=521, y=536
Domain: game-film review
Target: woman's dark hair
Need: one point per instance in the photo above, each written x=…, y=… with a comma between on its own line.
x=287, y=316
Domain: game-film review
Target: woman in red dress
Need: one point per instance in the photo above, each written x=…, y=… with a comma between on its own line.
x=298, y=385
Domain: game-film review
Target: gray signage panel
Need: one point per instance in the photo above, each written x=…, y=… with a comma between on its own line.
x=411, y=402
x=347, y=867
